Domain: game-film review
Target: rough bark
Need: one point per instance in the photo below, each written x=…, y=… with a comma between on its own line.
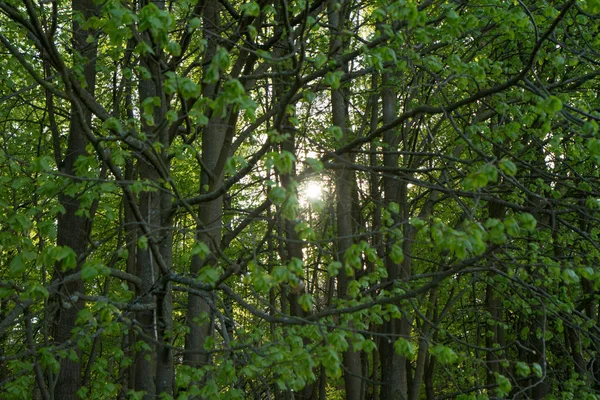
x=73, y=229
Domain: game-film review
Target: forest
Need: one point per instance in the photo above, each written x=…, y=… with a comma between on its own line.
x=299, y=199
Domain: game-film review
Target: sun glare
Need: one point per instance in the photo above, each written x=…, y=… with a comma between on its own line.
x=313, y=191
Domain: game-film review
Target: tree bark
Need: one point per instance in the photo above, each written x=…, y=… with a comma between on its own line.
x=72, y=229
x=210, y=213
x=344, y=181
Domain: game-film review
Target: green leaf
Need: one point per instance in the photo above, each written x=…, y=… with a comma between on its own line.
x=397, y=254
x=475, y=180
x=569, y=276
x=590, y=128
x=194, y=23
x=537, y=370
x=333, y=268
x=508, y=167
x=444, y=354
x=284, y=162
x=222, y=58
x=113, y=124
x=417, y=222
x=36, y=292
x=522, y=369
x=320, y=60
x=305, y=301
x=333, y=79
x=142, y=242
x=309, y=96
x=277, y=195
x=336, y=131
x=17, y=265
x=314, y=164
x=405, y=348
x=89, y=271
x=592, y=6
x=250, y=9
x=209, y=275
x=553, y=104
x=593, y=145
x=527, y=221
x=504, y=385
x=200, y=249
x=174, y=49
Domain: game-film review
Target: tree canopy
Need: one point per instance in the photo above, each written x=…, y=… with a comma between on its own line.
x=311, y=199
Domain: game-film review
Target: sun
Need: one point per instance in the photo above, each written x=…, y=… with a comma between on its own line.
x=313, y=191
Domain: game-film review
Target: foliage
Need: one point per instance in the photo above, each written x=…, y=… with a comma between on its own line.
x=156, y=240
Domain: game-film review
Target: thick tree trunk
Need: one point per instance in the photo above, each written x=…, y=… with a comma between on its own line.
x=72, y=229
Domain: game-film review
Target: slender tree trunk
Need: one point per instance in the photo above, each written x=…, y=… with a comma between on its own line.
x=210, y=213
x=154, y=368
x=394, y=372
x=424, y=338
x=493, y=304
x=344, y=184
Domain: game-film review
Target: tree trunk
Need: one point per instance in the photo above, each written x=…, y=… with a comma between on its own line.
x=344, y=183
x=73, y=230
x=394, y=372
x=210, y=212
x=154, y=368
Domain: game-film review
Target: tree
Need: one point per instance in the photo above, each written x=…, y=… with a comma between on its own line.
x=158, y=240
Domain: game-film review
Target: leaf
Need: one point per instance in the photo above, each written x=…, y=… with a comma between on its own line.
x=305, y=301
x=537, y=370
x=475, y=180
x=527, y=221
x=405, y=348
x=309, y=96
x=504, y=385
x=444, y=354
x=142, y=242
x=590, y=127
x=593, y=145
x=209, y=275
x=336, y=131
x=522, y=369
x=277, y=195
x=333, y=268
x=508, y=167
x=250, y=9
x=284, y=162
x=200, y=249
x=333, y=79
x=396, y=254
x=569, y=276
x=314, y=164
x=36, y=292
x=417, y=222
x=174, y=49
x=320, y=60
x=17, y=265
x=553, y=104
x=194, y=23
x=89, y=271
